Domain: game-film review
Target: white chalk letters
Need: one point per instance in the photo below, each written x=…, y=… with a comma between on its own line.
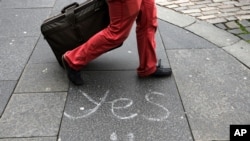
x=116, y=107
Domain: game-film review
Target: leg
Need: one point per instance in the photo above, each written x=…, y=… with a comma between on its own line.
x=145, y=33
x=122, y=15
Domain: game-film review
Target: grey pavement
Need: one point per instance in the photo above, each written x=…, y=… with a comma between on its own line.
x=207, y=92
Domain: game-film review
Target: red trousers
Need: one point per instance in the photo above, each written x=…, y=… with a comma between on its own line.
x=123, y=13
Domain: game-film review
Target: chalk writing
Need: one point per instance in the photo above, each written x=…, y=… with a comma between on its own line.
x=90, y=111
x=115, y=108
x=113, y=137
x=129, y=137
x=158, y=105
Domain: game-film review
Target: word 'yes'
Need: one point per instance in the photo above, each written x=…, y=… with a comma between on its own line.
x=115, y=107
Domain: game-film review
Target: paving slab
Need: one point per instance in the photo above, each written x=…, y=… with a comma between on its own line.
x=42, y=53
x=47, y=77
x=214, y=88
x=179, y=38
x=14, y=55
x=235, y=31
x=31, y=139
x=245, y=23
x=32, y=115
x=117, y=105
x=212, y=34
x=245, y=36
x=22, y=22
x=173, y=17
x=26, y=3
x=6, y=89
x=241, y=51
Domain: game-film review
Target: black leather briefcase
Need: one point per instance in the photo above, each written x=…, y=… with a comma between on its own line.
x=75, y=25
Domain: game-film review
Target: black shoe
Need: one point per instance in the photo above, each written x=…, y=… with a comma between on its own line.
x=161, y=72
x=73, y=75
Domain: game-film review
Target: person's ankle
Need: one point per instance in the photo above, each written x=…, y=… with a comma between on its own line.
x=161, y=71
x=73, y=75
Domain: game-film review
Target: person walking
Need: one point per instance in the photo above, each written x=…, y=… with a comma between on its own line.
x=123, y=13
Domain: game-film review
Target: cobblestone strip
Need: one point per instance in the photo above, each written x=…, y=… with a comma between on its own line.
x=213, y=11
x=230, y=15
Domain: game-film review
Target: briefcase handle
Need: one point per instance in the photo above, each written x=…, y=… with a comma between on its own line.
x=72, y=5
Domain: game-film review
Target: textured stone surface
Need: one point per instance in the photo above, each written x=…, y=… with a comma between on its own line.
x=42, y=53
x=222, y=9
x=14, y=55
x=178, y=38
x=213, y=12
x=48, y=77
x=221, y=26
x=32, y=115
x=212, y=33
x=245, y=36
x=26, y=3
x=174, y=18
x=245, y=23
x=216, y=20
x=241, y=51
x=232, y=24
x=235, y=31
x=243, y=17
x=22, y=22
x=6, y=89
x=118, y=105
x=213, y=86
x=31, y=139
x=208, y=82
